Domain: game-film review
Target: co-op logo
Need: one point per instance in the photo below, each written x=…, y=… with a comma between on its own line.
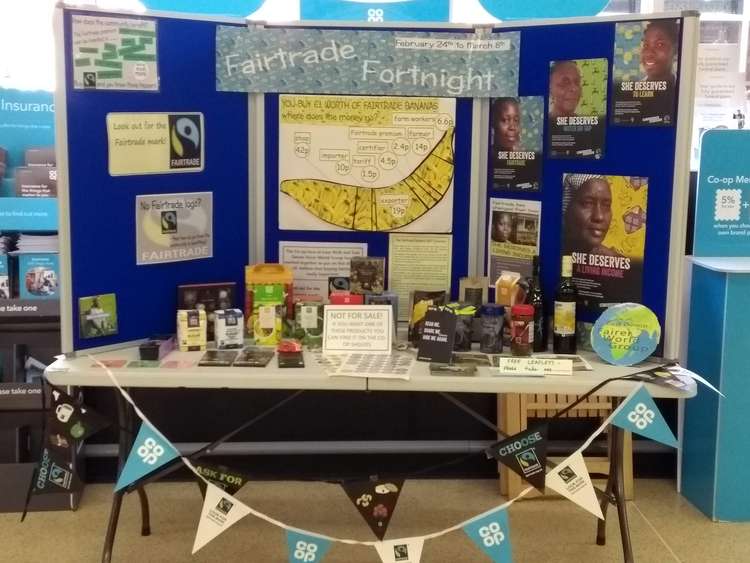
x=185, y=140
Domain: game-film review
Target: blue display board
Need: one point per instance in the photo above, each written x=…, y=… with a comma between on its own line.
x=102, y=207
x=629, y=151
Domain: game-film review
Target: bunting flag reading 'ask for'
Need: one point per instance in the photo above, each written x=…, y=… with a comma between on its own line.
x=492, y=534
x=150, y=452
x=639, y=414
x=306, y=548
x=223, y=477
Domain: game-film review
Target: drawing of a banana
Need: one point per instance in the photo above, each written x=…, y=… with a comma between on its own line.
x=379, y=209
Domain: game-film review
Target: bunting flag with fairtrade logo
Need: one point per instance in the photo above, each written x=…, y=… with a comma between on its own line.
x=571, y=480
x=639, y=414
x=492, y=534
x=306, y=548
x=405, y=550
x=525, y=453
x=220, y=511
x=150, y=451
x=376, y=500
x=55, y=474
x=68, y=421
x=228, y=480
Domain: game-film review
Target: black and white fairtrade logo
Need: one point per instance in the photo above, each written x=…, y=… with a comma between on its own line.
x=89, y=80
x=224, y=506
x=185, y=142
x=401, y=552
x=567, y=474
x=168, y=222
x=60, y=476
x=528, y=461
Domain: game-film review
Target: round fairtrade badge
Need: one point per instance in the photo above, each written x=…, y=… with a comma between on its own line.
x=626, y=334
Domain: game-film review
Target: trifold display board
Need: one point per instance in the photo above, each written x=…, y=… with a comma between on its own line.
x=515, y=186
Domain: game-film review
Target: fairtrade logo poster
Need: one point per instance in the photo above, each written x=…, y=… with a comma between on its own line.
x=173, y=227
x=155, y=143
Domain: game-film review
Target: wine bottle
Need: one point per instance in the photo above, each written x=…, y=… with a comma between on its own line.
x=535, y=298
x=564, y=336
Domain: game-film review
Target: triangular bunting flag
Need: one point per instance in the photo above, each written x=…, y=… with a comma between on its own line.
x=55, y=474
x=492, y=534
x=150, y=451
x=306, y=548
x=639, y=414
x=220, y=511
x=571, y=480
x=376, y=500
x=68, y=421
x=228, y=480
x=525, y=453
x=405, y=550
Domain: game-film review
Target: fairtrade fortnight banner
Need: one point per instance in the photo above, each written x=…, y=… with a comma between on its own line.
x=372, y=62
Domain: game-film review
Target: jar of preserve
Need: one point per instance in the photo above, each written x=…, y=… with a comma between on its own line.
x=521, y=329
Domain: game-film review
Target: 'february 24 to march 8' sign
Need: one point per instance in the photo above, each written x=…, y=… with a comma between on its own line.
x=155, y=143
x=367, y=61
x=173, y=227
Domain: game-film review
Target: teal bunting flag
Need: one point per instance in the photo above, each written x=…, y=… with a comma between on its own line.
x=640, y=415
x=304, y=548
x=492, y=535
x=150, y=452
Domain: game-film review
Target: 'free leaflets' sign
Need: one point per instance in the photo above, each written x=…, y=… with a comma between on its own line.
x=349, y=328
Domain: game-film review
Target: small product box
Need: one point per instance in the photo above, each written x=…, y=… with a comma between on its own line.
x=157, y=347
x=346, y=298
x=207, y=296
x=229, y=328
x=38, y=276
x=191, y=330
x=36, y=181
x=367, y=274
x=308, y=323
x=261, y=280
x=4, y=277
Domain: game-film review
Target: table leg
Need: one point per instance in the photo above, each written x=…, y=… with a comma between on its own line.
x=618, y=437
x=142, y=497
x=607, y=498
x=124, y=439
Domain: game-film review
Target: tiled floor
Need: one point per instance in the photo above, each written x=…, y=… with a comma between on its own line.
x=665, y=527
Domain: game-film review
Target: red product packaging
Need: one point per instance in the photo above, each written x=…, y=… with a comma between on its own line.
x=345, y=298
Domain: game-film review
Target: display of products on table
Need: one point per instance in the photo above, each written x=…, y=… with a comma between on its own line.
x=207, y=297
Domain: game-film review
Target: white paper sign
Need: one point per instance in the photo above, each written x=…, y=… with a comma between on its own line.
x=533, y=366
x=357, y=328
x=314, y=262
x=220, y=511
x=571, y=480
x=404, y=550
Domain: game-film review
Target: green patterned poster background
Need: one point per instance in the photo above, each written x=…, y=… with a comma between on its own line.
x=627, y=59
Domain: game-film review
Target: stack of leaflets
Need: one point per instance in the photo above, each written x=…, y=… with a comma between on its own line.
x=38, y=243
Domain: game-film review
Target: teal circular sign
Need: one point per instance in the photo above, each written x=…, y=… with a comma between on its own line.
x=626, y=334
x=524, y=9
x=239, y=8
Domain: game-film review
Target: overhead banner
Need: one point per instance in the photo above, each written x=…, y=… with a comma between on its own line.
x=387, y=11
x=319, y=61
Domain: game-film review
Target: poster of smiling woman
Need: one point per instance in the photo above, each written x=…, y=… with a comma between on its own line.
x=604, y=230
x=644, y=71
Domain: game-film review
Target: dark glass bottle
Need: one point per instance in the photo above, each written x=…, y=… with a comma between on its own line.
x=535, y=298
x=564, y=335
